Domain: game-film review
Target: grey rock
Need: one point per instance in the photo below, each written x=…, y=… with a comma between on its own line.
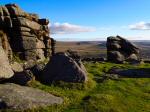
x=132, y=57
x=30, y=55
x=120, y=50
x=5, y=11
x=115, y=56
x=29, y=43
x=16, y=67
x=29, y=64
x=23, y=34
x=40, y=44
x=44, y=21
x=37, y=70
x=27, y=35
x=24, y=29
x=27, y=23
x=14, y=10
x=22, y=78
x=35, y=17
x=5, y=68
x=17, y=97
x=8, y=22
x=61, y=67
x=6, y=45
x=1, y=11
x=40, y=54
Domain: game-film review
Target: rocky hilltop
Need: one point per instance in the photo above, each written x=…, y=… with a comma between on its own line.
x=27, y=55
x=25, y=49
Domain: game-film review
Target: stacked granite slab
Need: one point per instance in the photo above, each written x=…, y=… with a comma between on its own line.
x=27, y=34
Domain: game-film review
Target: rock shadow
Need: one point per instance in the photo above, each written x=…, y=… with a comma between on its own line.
x=131, y=73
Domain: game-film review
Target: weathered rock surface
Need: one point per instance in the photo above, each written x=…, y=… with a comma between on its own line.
x=120, y=50
x=37, y=70
x=63, y=67
x=17, y=97
x=26, y=35
x=5, y=68
x=16, y=67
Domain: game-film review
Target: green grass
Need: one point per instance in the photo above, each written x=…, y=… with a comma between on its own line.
x=122, y=95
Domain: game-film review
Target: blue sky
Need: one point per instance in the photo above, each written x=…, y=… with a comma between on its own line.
x=92, y=19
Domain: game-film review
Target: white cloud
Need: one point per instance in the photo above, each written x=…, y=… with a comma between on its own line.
x=67, y=28
x=140, y=26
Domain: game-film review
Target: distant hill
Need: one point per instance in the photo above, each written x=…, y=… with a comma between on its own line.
x=98, y=48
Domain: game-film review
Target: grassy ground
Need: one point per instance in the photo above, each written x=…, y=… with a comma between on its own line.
x=97, y=95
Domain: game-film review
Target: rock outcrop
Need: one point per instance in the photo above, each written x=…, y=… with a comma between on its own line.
x=23, y=36
x=26, y=35
x=15, y=97
x=24, y=40
x=120, y=50
x=64, y=67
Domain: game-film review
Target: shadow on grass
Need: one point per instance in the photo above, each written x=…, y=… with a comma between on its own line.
x=131, y=73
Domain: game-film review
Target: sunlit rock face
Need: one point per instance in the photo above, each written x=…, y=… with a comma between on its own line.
x=27, y=35
x=5, y=69
x=120, y=50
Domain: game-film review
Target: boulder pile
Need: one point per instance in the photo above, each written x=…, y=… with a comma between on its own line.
x=120, y=50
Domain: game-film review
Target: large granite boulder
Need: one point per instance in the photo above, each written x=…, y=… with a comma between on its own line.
x=5, y=68
x=27, y=34
x=120, y=50
x=17, y=97
x=63, y=67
